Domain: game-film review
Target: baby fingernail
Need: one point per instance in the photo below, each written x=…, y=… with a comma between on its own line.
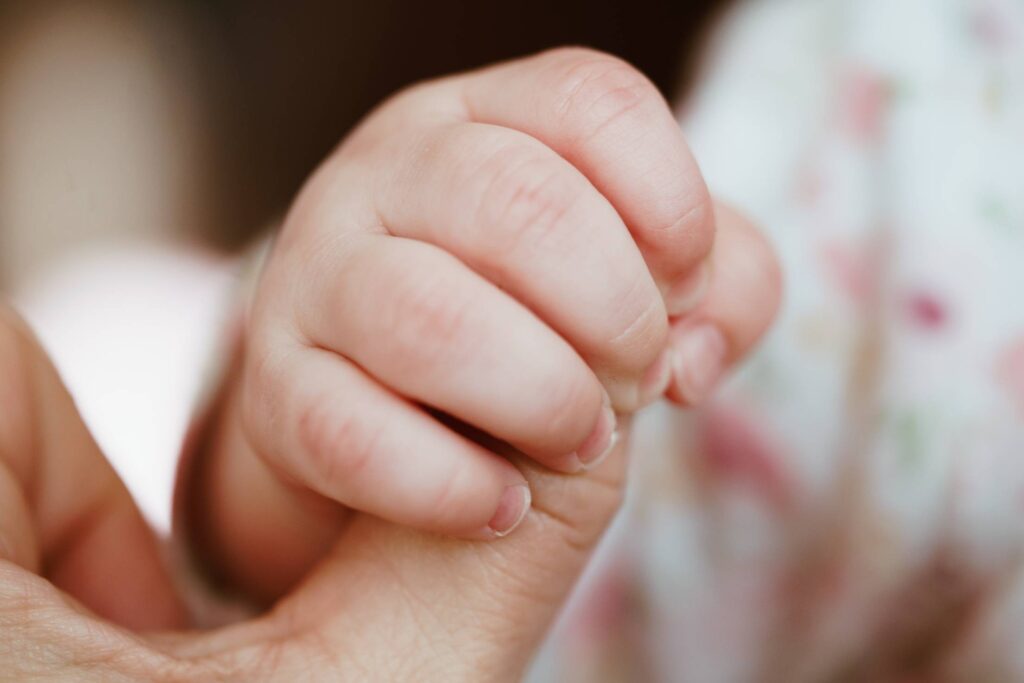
x=686, y=295
x=656, y=379
x=601, y=441
x=699, y=361
x=512, y=509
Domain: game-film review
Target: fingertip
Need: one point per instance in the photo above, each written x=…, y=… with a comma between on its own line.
x=699, y=356
x=601, y=441
x=512, y=508
x=741, y=300
x=656, y=379
x=747, y=280
x=593, y=446
x=688, y=293
x=685, y=240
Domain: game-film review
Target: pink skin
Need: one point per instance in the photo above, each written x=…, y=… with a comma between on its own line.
x=523, y=300
x=83, y=587
x=520, y=249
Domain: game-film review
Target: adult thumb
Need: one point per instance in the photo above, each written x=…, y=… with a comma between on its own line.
x=419, y=607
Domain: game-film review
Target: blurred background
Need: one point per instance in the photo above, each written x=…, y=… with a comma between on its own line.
x=201, y=119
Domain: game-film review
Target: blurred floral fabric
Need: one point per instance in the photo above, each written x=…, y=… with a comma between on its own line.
x=850, y=508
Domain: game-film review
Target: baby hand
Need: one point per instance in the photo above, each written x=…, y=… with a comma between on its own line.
x=525, y=249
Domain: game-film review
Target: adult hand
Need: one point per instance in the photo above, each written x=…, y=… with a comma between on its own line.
x=83, y=594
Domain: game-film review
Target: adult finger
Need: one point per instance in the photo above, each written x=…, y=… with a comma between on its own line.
x=85, y=532
x=456, y=610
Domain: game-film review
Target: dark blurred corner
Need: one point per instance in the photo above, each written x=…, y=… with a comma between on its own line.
x=298, y=75
x=278, y=84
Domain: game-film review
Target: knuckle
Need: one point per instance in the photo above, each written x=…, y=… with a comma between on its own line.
x=565, y=410
x=526, y=201
x=607, y=498
x=401, y=109
x=639, y=336
x=692, y=218
x=683, y=231
x=407, y=96
x=683, y=221
x=582, y=515
x=338, y=445
x=447, y=506
x=430, y=315
x=594, y=90
x=421, y=96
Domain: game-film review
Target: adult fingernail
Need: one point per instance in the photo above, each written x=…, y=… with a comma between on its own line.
x=656, y=380
x=512, y=509
x=686, y=295
x=699, y=361
x=601, y=441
